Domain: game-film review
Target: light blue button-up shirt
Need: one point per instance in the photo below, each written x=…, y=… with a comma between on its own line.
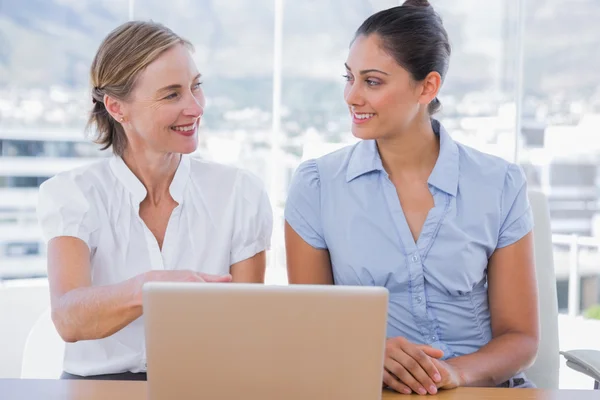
x=345, y=202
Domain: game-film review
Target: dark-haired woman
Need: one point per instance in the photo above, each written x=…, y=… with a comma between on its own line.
x=445, y=228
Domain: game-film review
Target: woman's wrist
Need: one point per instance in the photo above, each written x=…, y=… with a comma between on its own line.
x=136, y=286
x=461, y=375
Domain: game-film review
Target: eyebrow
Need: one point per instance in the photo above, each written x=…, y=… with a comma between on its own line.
x=175, y=86
x=366, y=71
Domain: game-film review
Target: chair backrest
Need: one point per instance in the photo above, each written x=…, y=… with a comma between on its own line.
x=21, y=303
x=544, y=372
x=44, y=351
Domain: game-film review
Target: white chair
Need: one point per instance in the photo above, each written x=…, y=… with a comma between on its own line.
x=20, y=305
x=44, y=351
x=544, y=372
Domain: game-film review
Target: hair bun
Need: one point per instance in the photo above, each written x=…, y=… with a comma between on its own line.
x=417, y=3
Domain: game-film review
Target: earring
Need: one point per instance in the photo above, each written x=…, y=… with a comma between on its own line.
x=122, y=119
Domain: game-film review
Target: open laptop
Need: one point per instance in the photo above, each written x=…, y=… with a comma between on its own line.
x=256, y=342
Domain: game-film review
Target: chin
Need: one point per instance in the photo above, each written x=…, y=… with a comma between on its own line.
x=185, y=147
x=364, y=133
x=187, y=150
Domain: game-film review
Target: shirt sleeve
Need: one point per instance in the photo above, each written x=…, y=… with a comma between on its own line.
x=253, y=223
x=64, y=209
x=303, y=205
x=517, y=217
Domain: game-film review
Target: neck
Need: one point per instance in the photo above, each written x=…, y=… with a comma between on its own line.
x=154, y=170
x=412, y=151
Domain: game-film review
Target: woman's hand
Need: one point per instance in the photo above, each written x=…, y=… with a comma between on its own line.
x=176, y=276
x=409, y=367
x=451, y=376
x=184, y=276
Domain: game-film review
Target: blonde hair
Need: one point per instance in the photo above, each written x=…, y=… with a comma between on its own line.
x=122, y=55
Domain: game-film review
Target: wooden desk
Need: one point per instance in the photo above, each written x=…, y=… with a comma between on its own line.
x=30, y=389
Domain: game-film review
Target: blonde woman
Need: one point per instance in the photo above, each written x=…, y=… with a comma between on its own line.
x=150, y=212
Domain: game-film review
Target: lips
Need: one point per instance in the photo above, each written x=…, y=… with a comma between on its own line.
x=186, y=130
x=361, y=118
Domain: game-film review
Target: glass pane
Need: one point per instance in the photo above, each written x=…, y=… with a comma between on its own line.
x=233, y=42
x=561, y=152
x=316, y=39
x=478, y=95
x=560, y=148
x=314, y=116
x=46, y=48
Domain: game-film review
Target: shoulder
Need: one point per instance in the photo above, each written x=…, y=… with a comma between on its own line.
x=226, y=178
x=339, y=157
x=79, y=181
x=68, y=203
x=202, y=170
x=486, y=170
x=329, y=167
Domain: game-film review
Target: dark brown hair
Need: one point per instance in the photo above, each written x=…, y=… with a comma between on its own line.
x=414, y=35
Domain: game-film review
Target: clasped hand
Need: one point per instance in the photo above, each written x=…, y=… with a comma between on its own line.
x=411, y=368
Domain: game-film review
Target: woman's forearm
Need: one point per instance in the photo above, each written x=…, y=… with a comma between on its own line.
x=498, y=361
x=88, y=313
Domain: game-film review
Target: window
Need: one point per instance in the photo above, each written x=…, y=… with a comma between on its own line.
x=561, y=111
x=46, y=49
x=16, y=249
x=233, y=43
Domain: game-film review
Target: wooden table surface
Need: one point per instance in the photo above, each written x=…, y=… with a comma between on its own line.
x=30, y=389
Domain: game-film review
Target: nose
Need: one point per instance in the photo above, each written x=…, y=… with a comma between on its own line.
x=195, y=106
x=352, y=95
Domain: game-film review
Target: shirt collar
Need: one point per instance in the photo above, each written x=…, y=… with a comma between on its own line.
x=365, y=158
x=445, y=172
x=138, y=190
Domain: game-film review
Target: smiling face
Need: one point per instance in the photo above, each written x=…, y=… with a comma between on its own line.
x=166, y=105
x=382, y=97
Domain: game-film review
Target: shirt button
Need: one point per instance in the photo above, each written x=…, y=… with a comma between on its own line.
x=419, y=299
x=415, y=258
x=433, y=338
